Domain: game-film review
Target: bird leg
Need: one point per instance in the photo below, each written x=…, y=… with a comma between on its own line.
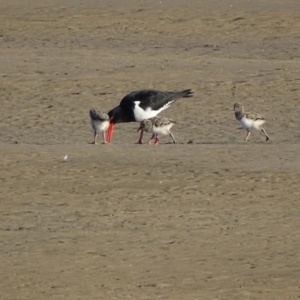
x=267, y=137
x=95, y=137
x=150, y=141
x=156, y=141
x=104, y=137
x=248, y=134
x=140, y=141
x=172, y=136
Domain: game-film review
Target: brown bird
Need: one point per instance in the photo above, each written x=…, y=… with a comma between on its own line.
x=249, y=120
x=100, y=124
x=158, y=126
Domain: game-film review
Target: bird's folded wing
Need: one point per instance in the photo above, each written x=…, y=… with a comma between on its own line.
x=254, y=116
x=163, y=121
x=99, y=116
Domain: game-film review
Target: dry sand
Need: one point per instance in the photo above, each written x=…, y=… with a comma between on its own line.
x=216, y=219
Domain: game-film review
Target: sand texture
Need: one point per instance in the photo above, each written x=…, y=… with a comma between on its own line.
x=208, y=218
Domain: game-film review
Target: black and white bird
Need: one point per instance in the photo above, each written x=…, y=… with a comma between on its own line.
x=142, y=105
x=158, y=126
x=100, y=124
x=249, y=120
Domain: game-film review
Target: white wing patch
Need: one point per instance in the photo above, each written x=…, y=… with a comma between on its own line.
x=141, y=114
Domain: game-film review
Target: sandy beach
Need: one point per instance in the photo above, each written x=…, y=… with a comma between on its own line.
x=211, y=217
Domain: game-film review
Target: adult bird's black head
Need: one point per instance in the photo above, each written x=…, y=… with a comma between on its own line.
x=118, y=114
x=142, y=105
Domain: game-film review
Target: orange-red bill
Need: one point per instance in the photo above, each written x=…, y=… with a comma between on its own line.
x=110, y=132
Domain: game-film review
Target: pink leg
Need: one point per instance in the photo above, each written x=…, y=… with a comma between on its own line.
x=156, y=142
x=140, y=141
x=104, y=137
x=150, y=141
x=248, y=134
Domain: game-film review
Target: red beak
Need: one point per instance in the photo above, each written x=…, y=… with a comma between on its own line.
x=110, y=130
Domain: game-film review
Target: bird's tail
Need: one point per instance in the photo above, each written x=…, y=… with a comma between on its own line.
x=186, y=93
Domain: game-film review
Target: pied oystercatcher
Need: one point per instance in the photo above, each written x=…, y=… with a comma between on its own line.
x=158, y=126
x=141, y=105
x=249, y=120
x=100, y=123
